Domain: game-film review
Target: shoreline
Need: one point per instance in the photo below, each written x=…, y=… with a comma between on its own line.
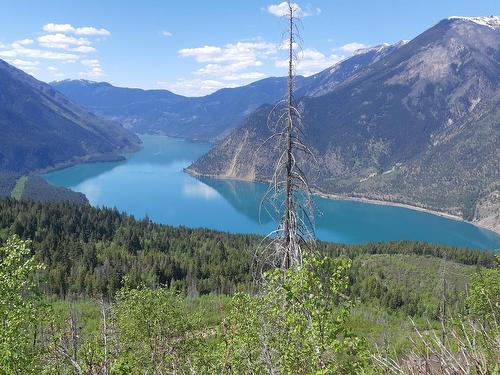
x=362, y=199
x=89, y=159
x=390, y=203
x=117, y=157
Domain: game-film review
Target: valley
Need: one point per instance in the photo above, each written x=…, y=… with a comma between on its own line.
x=154, y=177
x=381, y=126
x=183, y=192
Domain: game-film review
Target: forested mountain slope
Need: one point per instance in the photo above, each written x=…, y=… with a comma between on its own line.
x=88, y=251
x=112, y=284
x=420, y=125
x=41, y=128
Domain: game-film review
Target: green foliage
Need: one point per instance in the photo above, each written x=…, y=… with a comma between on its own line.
x=88, y=251
x=154, y=330
x=35, y=188
x=302, y=323
x=8, y=180
x=18, y=190
x=483, y=300
x=20, y=309
x=412, y=285
x=297, y=325
x=39, y=190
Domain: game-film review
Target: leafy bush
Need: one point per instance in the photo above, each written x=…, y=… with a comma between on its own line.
x=20, y=309
x=297, y=325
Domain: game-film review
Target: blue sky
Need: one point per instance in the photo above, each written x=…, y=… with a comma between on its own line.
x=194, y=47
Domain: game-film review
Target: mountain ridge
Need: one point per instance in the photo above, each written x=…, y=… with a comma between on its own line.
x=42, y=129
x=206, y=118
x=210, y=117
x=418, y=126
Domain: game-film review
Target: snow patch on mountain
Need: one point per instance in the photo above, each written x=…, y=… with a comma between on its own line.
x=492, y=22
x=377, y=49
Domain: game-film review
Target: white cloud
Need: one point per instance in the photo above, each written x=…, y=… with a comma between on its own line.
x=54, y=71
x=195, y=87
x=201, y=54
x=24, y=42
x=60, y=44
x=223, y=69
x=58, y=28
x=167, y=34
x=23, y=63
x=352, y=47
x=199, y=190
x=286, y=44
x=240, y=51
x=244, y=76
x=282, y=9
x=237, y=64
x=93, y=73
x=224, y=66
x=95, y=70
x=20, y=51
x=92, y=63
x=8, y=53
x=67, y=28
x=311, y=61
x=83, y=49
x=88, y=30
x=30, y=69
x=61, y=41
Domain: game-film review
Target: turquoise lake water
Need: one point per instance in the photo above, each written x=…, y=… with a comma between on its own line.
x=152, y=182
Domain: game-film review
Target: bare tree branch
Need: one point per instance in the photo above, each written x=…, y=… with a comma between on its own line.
x=289, y=197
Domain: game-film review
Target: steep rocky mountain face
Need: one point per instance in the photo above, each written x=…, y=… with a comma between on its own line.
x=418, y=125
x=325, y=81
x=159, y=111
x=41, y=128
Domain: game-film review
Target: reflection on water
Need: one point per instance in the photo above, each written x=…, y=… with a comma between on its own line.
x=152, y=182
x=86, y=172
x=245, y=197
x=197, y=189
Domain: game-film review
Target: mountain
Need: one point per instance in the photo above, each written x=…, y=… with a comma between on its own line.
x=210, y=117
x=326, y=80
x=41, y=128
x=419, y=125
x=160, y=111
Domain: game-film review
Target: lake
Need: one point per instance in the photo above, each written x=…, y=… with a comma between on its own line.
x=152, y=182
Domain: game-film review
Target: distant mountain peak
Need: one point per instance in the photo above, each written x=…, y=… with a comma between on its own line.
x=492, y=22
x=82, y=81
x=377, y=48
x=402, y=42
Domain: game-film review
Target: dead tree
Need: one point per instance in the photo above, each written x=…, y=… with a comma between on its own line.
x=289, y=194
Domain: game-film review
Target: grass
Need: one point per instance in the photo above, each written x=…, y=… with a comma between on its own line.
x=18, y=190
